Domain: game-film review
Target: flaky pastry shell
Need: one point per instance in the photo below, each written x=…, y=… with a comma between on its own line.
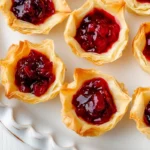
x=8, y=69
x=141, y=98
x=115, y=8
x=137, y=7
x=62, y=10
x=138, y=46
x=81, y=127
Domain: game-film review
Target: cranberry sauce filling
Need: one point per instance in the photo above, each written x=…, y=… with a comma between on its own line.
x=146, y=51
x=94, y=102
x=34, y=73
x=97, y=31
x=33, y=11
x=147, y=114
x=144, y=1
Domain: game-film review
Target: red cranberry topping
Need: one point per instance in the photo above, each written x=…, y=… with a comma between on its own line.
x=144, y=1
x=146, y=51
x=33, y=11
x=34, y=73
x=97, y=31
x=147, y=114
x=94, y=102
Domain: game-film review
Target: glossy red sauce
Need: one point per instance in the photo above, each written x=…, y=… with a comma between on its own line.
x=34, y=73
x=93, y=102
x=144, y=1
x=146, y=51
x=98, y=31
x=147, y=114
x=33, y=11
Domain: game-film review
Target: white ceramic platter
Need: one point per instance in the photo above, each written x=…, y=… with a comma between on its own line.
x=40, y=125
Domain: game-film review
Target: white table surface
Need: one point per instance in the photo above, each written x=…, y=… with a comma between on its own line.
x=9, y=142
